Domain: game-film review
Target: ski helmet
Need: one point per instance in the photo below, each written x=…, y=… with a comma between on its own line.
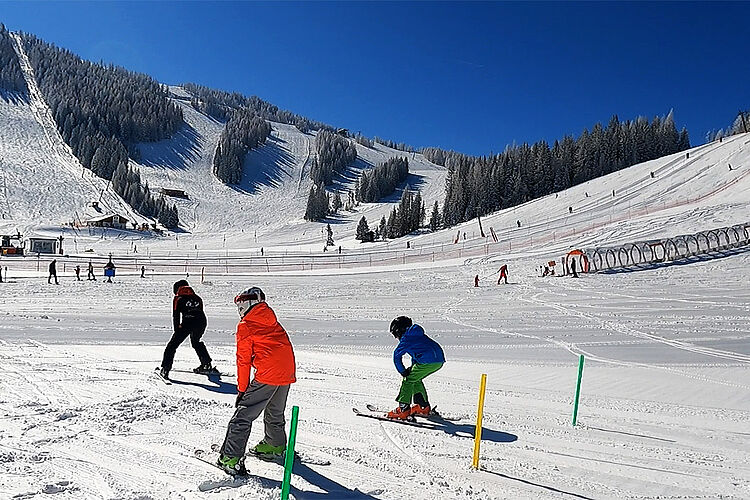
x=249, y=298
x=179, y=284
x=400, y=325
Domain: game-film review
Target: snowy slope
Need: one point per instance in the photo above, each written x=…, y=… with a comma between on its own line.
x=272, y=197
x=42, y=182
x=664, y=413
x=685, y=195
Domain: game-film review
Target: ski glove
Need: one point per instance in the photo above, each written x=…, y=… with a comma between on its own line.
x=239, y=398
x=406, y=372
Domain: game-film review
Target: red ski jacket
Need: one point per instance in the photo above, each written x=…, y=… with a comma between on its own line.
x=263, y=344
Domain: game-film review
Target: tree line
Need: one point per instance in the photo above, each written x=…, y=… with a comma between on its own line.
x=382, y=180
x=741, y=124
x=406, y=218
x=244, y=131
x=334, y=154
x=11, y=76
x=220, y=105
x=480, y=185
x=102, y=111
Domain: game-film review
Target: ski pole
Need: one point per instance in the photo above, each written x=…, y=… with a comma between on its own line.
x=289, y=455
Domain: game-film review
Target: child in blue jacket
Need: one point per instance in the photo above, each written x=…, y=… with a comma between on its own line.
x=427, y=357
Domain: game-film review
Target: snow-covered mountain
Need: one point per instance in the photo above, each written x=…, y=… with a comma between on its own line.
x=269, y=204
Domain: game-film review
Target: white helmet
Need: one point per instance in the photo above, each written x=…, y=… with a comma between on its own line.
x=249, y=298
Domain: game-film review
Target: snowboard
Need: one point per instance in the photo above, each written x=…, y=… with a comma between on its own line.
x=434, y=415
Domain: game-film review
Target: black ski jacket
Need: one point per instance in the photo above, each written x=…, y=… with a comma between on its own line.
x=190, y=306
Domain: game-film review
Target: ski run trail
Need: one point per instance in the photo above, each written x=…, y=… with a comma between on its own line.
x=665, y=401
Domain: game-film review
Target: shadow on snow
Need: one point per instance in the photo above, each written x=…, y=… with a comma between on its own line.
x=266, y=165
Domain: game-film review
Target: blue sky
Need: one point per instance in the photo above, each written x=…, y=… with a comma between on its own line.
x=466, y=76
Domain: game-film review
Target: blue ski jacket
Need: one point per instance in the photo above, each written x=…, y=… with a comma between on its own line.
x=419, y=346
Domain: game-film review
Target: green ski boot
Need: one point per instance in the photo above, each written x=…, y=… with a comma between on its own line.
x=234, y=466
x=265, y=449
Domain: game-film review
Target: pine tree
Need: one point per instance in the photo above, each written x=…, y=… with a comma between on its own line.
x=363, y=230
x=435, y=217
x=329, y=239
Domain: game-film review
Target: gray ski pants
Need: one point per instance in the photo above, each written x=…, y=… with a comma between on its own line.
x=257, y=398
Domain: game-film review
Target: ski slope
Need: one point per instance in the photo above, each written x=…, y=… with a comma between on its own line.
x=664, y=411
x=41, y=182
x=689, y=192
x=665, y=407
x=269, y=204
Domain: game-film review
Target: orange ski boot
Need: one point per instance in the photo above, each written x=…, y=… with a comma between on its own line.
x=403, y=412
x=420, y=410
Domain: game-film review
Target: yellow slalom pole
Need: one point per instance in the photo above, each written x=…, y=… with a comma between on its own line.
x=480, y=412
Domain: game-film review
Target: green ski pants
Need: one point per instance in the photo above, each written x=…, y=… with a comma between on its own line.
x=412, y=386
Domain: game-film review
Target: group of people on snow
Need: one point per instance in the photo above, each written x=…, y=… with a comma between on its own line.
x=109, y=268
x=263, y=345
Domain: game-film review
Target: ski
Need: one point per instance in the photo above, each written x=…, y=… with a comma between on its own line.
x=209, y=374
x=157, y=374
x=410, y=421
x=434, y=415
x=228, y=482
x=277, y=459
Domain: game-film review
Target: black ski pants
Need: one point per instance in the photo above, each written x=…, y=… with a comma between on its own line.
x=195, y=332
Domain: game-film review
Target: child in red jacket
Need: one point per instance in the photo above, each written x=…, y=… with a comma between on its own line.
x=263, y=344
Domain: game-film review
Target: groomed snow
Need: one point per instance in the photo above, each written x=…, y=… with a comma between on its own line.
x=664, y=412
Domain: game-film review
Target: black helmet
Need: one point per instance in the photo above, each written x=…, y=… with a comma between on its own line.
x=179, y=284
x=400, y=325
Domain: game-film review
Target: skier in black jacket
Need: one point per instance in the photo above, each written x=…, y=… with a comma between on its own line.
x=188, y=320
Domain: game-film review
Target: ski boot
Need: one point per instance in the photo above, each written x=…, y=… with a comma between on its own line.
x=206, y=369
x=403, y=412
x=234, y=466
x=268, y=450
x=421, y=411
x=163, y=373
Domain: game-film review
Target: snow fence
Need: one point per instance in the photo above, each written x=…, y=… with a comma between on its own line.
x=671, y=249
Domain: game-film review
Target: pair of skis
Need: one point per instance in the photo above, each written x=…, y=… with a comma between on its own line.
x=430, y=421
x=277, y=459
x=209, y=374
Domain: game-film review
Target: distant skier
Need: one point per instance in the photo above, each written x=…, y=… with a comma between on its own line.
x=263, y=344
x=143, y=271
x=109, y=269
x=476, y=281
x=503, y=274
x=573, y=268
x=91, y=275
x=570, y=209
x=78, y=273
x=52, y=272
x=188, y=320
x=427, y=357
x=518, y=222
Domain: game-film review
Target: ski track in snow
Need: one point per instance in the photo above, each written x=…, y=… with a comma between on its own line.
x=103, y=426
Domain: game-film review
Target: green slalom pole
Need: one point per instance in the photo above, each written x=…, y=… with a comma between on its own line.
x=578, y=390
x=289, y=455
